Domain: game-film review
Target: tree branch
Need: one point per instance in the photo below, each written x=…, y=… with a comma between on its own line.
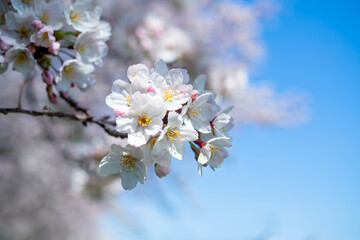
x=75, y=117
x=74, y=104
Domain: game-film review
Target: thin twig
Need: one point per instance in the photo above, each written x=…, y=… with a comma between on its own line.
x=74, y=117
x=74, y=104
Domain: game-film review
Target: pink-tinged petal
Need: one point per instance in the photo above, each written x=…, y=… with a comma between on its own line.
x=162, y=171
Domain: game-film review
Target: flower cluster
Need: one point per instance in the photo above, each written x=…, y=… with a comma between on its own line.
x=160, y=111
x=64, y=38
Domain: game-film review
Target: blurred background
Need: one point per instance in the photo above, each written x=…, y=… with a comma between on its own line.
x=292, y=71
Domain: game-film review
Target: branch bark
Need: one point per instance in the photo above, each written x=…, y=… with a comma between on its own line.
x=84, y=119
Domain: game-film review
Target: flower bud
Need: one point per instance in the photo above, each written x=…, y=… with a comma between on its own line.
x=31, y=48
x=54, y=48
x=150, y=89
x=47, y=76
x=36, y=24
x=161, y=171
x=194, y=94
x=51, y=95
x=4, y=46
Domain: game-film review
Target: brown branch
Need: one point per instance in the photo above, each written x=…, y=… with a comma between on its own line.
x=75, y=117
x=74, y=104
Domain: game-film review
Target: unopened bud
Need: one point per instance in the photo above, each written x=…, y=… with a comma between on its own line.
x=51, y=95
x=150, y=89
x=47, y=76
x=31, y=48
x=4, y=46
x=161, y=171
x=194, y=94
x=36, y=24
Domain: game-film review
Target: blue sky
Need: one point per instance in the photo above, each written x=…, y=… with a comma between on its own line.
x=299, y=183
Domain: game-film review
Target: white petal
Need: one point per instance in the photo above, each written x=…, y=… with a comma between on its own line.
x=154, y=127
x=128, y=180
x=161, y=68
x=199, y=83
x=138, y=70
x=188, y=133
x=174, y=119
x=126, y=124
x=110, y=164
x=221, y=142
x=138, y=139
x=177, y=149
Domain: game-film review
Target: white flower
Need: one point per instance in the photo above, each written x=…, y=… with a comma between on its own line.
x=122, y=91
x=19, y=29
x=199, y=112
x=171, y=85
x=44, y=37
x=50, y=13
x=144, y=119
x=91, y=46
x=3, y=64
x=80, y=16
x=172, y=138
x=73, y=71
x=213, y=152
x=164, y=159
x=127, y=162
x=223, y=122
x=23, y=6
x=22, y=58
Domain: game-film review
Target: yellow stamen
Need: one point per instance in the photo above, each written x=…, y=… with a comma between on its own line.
x=68, y=70
x=75, y=15
x=23, y=32
x=81, y=48
x=197, y=112
x=127, y=163
x=213, y=150
x=128, y=97
x=174, y=135
x=170, y=93
x=21, y=58
x=144, y=120
x=45, y=16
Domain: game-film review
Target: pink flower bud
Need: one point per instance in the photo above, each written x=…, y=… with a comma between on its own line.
x=54, y=48
x=72, y=85
x=51, y=95
x=161, y=171
x=150, y=89
x=53, y=98
x=194, y=94
x=4, y=46
x=36, y=23
x=47, y=76
x=31, y=48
